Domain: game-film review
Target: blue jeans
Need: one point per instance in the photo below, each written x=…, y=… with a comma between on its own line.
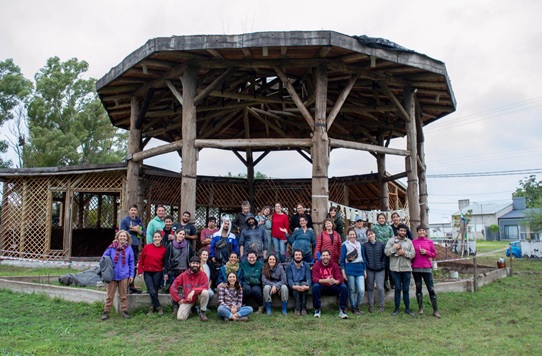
x=280, y=249
x=318, y=289
x=402, y=283
x=225, y=312
x=152, y=281
x=356, y=283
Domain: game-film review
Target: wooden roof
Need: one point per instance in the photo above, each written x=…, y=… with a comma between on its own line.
x=242, y=97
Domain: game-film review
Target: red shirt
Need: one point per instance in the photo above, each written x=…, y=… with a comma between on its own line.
x=151, y=259
x=278, y=221
x=197, y=282
x=319, y=271
x=207, y=234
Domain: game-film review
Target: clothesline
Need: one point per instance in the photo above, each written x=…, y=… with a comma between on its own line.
x=353, y=214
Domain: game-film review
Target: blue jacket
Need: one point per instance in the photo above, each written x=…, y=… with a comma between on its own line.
x=297, y=277
x=356, y=267
x=121, y=272
x=304, y=241
x=125, y=225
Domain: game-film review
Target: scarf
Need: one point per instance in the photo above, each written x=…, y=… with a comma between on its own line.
x=183, y=258
x=232, y=267
x=121, y=251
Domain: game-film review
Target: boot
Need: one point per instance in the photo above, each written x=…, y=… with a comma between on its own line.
x=105, y=316
x=259, y=311
x=268, y=308
x=284, y=308
x=419, y=297
x=436, y=314
x=160, y=311
x=151, y=310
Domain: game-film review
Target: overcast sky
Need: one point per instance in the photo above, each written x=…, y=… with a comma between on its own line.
x=491, y=50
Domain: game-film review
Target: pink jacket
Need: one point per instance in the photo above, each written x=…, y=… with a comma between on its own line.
x=423, y=261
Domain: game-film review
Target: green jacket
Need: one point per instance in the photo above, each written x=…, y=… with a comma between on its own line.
x=400, y=263
x=154, y=225
x=382, y=232
x=252, y=274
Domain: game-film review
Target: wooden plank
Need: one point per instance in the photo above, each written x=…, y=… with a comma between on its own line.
x=340, y=100
x=286, y=82
x=259, y=99
x=336, y=143
x=174, y=91
x=254, y=143
x=218, y=81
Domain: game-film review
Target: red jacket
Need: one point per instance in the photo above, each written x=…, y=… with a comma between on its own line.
x=151, y=259
x=319, y=271
x=278, y=221
x=189, y=282
x=323, y=242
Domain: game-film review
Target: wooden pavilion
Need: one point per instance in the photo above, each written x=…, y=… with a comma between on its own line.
x=308, y=91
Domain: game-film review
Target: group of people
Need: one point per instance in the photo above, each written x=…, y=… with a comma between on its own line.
x=252, y=266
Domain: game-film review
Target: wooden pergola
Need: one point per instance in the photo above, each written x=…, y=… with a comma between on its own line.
x=305, y=91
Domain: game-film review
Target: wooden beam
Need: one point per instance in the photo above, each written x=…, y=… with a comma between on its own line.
x=262, y=156
x=259, y=99
x=411, y=161
x=306, y=114
x=403, y=113
x=144, y=108
x=218, y=81
x=323, y=51
x=133, y=168
x=340, y=100
x=267, y=123
x=224, y=124
x=394, y=177
x=156, y=151
x=174, y=91
x=336, y=143
x=215, y=53
x=241, y=158
x=304, y=155
x=254, y=143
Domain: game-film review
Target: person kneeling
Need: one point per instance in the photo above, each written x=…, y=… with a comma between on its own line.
x=195, y=285
x=230, y=300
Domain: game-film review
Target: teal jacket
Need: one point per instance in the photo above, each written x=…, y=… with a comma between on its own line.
x=252, y=274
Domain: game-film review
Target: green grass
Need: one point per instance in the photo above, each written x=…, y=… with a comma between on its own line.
x=8, y=270
x=501, y=318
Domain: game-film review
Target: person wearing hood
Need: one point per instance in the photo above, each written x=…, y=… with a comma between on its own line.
x=223, y=243
x=156, y=224
x=279, y=228
x=252, y=239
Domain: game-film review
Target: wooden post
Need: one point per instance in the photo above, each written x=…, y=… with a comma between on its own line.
x=424, y=207
x=132, y=169
x=411, y=161
x=381, y=165
x=320, y=151
x=249, y=163
x=475, y=272
x=189, y=151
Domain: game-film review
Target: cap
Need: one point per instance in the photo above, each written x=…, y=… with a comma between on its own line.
x=195, y=259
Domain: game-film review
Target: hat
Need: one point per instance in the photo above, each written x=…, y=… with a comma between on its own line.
x=359, y=219
x=195, y=259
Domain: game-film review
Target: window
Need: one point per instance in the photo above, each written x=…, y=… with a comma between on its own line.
x=511, y=232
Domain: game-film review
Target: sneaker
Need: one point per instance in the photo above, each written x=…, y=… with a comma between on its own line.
x=151, y=310
x=371, y=309
x=105, y=316
x=395, y=312
x=343, y=315
x=259, y=311
x=317, y=313
x=242, y=318
x=303, y=312
x=409, y=312
x=356, y=311
x=297, y=313
x=160, y=311
x=436, y=314
x=381, y=309
x=125, y=315
x=175, y=310
x=202, y=315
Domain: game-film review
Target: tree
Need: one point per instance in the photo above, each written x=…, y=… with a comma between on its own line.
x=531, y=190
x=66, y=121
x=14, y=89
x=257, y=175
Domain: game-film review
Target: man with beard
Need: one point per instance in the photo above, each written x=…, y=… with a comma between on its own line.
x=223, y=243
x=156, y=224
x=327, y=279
x=298, y=273
x=401, y=252
x=251, y=270
x=168, y=234
x=252, y=239
x=195, y=285
x=190, y=232
x=135, y=227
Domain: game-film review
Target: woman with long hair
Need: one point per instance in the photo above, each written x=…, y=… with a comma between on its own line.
x=279, y=228
x=209, y=269
x=302, y=238
x=353, y=270
x=230, y=300
x=384, y=233
x=231, y=266
x=265, y=222
x=274, y=281
x=330, y=240
x=122, y=258
x=337, y=218
x=151, y=265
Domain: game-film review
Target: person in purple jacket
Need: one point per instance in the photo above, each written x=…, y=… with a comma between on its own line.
x=122, y=256
x=422, y=268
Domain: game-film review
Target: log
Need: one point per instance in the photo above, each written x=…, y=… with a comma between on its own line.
x=340, y=100
x=306, y=114
x=411, y=161
x=156, y=151
x=336, y=143
x=132, y=169
x=218, y=81
x=254, y=143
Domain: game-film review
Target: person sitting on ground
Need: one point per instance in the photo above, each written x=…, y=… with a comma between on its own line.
x=353, y=270
x=401, y=252
x=274, y=281
x=206, y=235
x=151, y=265
x=195, y=289
x=178, y=254
x=209, y=269
x=422, y=269
x=375, y=263
x=252, y=239
x=223, y=243
x=231, y=266
x=251, y=272
x=298, y=273
x=230, y=300
x=330, y=240
x=302, y=238
x=122, y=256
x=328, y=279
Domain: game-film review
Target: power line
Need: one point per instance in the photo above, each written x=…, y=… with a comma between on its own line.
x=486, y=174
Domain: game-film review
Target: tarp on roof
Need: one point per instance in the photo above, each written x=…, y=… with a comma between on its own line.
x=377, y=42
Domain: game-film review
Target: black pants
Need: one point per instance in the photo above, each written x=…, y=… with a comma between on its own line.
x=254, y=292
x=152, y=280
x=428, y=280
x=136, y=260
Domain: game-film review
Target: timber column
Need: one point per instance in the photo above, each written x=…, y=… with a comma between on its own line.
x=411, y=161
x=320, y=151
x=133, y=167
x=189, y=151
x=383, y=184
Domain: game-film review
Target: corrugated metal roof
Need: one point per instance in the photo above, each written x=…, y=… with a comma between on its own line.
x=483, y=208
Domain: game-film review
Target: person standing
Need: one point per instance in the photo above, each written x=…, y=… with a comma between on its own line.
x=274, y=282
x=195, y=289
x=336, y=217
x=279, y=228
x=361, y=231
x=223, y=243
x=264, y=220
x=353, y=270
x=300, y=211
x=328, y=279
x=252, y=239
x=230, y=300
x=151, y=265
x=135, y=227
x=239, y=222
x=303, y=239
x=384, y=233
x=156, y=224
x=330, y=240
x=122, y=256
x=190, y=232
x=422, y=269
x=206, y=235
x=210, y=270
x=396, y=220
x=168, y=234
x=298, y=273
x=375, y=261
x=401, y=252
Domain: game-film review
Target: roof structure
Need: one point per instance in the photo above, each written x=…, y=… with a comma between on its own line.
x=483, y=209
x=240, y=93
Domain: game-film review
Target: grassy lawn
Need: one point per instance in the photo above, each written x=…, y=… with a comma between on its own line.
x=501, y=318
